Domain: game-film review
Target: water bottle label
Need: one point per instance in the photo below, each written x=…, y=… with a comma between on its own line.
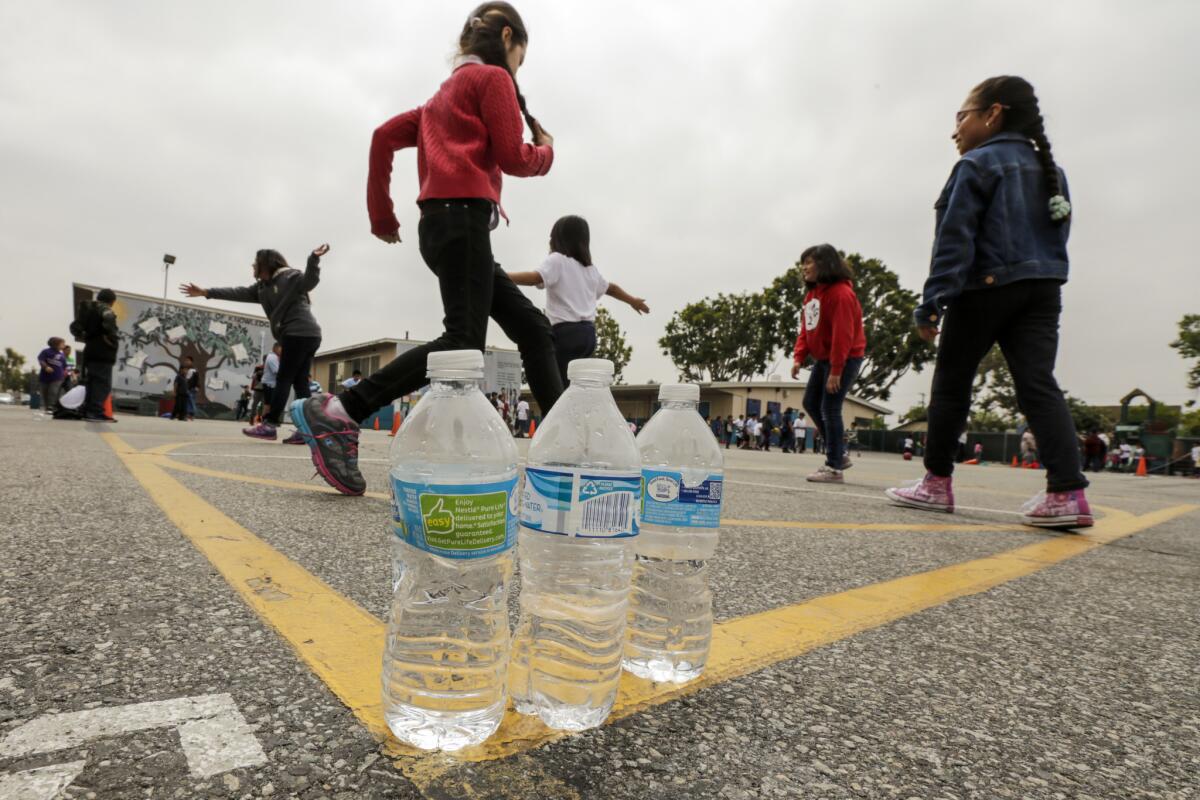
x=472, y=520
x=589, y=503
x=668, y=500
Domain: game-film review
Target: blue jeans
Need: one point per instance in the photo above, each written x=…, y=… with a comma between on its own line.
x=825, y=409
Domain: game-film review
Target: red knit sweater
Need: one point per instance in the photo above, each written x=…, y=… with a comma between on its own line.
x=831, y=326
x=469, y=132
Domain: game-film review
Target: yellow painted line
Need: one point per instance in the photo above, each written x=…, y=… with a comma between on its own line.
x=747, y=644
x=339, y=640
x=735, y=523
x=343, y=644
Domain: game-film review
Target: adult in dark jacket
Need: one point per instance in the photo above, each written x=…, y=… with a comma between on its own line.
x=96, y=324
x=283, y=294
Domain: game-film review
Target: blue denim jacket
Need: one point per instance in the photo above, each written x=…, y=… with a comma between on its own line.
x=993, y=225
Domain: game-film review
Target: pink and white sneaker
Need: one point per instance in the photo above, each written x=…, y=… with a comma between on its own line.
x=931, y=493
x=263, y=430
x=1058, y=510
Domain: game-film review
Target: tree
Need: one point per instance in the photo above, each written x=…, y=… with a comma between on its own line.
x=1188, y=345
x=728, y=337
x=917, y=413
x=233, y=346
x=610, y=342
x=995, y=393
x=893, y=346
x=12, y=371
x=1086, y=417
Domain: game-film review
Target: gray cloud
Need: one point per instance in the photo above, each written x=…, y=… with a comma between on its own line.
x=707, y=149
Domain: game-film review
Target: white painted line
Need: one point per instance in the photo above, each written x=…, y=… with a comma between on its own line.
x=877, y=497
x=213, y=733
x=178, y=454
x=42, y=783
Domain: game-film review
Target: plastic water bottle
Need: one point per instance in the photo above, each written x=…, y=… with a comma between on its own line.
x=579, y=519
x=454, y=503
x=670, y=615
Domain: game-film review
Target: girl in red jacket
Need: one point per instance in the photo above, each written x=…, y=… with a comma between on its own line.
x=466, y=136
x=831, y=331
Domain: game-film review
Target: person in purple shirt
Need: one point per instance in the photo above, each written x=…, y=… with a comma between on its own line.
x=53, y=369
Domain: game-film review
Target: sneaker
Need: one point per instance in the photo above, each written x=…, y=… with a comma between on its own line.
x=333, y=442
x=847, y=463
x=296, y=438
x=1058, y=510
x=931, y=493
x=263, y=430
x=826, y=474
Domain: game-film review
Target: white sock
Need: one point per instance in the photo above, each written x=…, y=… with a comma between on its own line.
x=335, y=409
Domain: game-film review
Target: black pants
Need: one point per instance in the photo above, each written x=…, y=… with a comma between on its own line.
x=456, y=245
x=295, y=364
x=573, y=340
x=98, y=381
x=1022, y=318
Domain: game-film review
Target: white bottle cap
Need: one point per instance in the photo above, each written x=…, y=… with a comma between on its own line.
x=600, y=369
x=454, y=364
x=679, y=393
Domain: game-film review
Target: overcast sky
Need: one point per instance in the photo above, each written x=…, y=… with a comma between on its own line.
x=706, y=148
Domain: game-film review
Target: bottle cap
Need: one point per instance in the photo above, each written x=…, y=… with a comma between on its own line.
x=590, y=368
x=679, y=393
x=454, y=364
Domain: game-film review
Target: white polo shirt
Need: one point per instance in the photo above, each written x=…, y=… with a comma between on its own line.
x=571, y=289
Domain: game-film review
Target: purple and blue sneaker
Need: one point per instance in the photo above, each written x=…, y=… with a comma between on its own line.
x=333, y=443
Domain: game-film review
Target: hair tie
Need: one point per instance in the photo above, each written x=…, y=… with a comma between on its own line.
x=1060, y=208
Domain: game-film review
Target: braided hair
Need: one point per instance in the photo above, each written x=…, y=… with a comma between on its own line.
x=1022, y=115
x=483, y=36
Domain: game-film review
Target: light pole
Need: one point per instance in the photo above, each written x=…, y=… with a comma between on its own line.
x=168, y=260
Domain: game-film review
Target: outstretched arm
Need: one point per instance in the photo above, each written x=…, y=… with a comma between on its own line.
x=238, y=294
x=637, y=303
x=395, y=134
x=529, y=278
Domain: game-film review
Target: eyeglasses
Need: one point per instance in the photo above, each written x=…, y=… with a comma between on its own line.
x=959, y=116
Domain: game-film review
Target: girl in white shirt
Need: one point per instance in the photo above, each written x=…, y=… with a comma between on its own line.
x=573, y=287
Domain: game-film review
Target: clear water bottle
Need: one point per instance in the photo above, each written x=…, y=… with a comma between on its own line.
x=670, y=614
x=579, y=519
x=454, y=504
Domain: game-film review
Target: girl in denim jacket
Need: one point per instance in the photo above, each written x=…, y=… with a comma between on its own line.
x=999, y=262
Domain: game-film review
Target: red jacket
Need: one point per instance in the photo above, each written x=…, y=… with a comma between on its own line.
x=466, y=135
x=831, y=326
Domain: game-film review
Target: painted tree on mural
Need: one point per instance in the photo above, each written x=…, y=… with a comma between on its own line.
x=182, y=332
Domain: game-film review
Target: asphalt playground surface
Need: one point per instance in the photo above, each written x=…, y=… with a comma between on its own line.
x=188, y=613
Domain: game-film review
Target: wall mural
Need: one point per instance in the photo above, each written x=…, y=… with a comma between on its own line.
x=156, y=335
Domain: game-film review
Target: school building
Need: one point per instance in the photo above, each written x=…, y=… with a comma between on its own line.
x=501, y=369
x=638, y=402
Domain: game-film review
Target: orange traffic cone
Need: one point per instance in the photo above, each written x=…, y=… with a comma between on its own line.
x=108, y=409
x=376, y=422
x=1141, y=467
x=532, y=427
x=396, y=420
x=1015, y=462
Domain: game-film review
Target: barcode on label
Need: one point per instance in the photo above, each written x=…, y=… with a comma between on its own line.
x=609, y=513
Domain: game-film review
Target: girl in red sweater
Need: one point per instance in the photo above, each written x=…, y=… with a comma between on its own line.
x=466, y=136
x=831, y=331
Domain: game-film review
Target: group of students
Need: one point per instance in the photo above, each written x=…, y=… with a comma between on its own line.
x=755, y=433
x=999, y=261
